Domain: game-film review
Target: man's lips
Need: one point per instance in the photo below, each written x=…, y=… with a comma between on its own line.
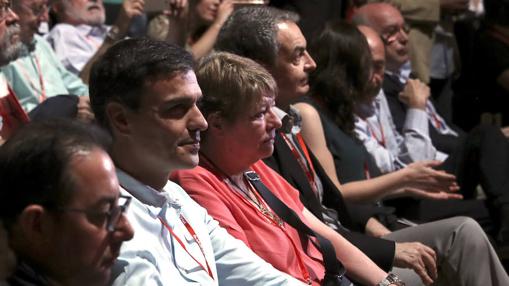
x=93, y=7
x=109, y=261
x=271, y=138
x=191, y=145
x=14, y=38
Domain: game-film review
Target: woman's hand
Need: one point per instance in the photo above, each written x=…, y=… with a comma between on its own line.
x=133, y=8
x=176, y=8
x=422, y=176
x=223, y=12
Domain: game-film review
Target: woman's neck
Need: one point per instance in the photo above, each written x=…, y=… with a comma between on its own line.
x=223, y=161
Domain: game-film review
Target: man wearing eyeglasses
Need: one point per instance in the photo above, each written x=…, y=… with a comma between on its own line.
x=480, y=157
x=61, y=205
x=38, y=74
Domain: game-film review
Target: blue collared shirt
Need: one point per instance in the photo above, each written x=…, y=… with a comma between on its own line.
x=25, y=74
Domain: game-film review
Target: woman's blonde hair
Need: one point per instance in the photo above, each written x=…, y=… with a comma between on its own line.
x=232, y=84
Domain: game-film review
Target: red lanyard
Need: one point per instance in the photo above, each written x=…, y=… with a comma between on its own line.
x=308, y=168
x=273, y=221
x=24, y=71
x=195, y=237
x=380, y=140
x=437, y=122
x=264, y=214
x=366, y=171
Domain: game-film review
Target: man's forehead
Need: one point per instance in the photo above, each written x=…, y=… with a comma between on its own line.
x=289, y=36
x=389, y=16
x=375, y=43
x=31, y=2
x=176, y=86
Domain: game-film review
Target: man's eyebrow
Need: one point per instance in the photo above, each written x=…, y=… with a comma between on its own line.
x=183, y=99
x=109, y=200
x=299, y=49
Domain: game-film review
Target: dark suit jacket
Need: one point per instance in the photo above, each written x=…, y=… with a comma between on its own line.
x=392, y=87
x=381, y=251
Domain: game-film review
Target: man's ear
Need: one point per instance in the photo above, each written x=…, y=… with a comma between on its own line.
x=31, y=221
x=215, y=121
x=56, y=7
x=117, y=117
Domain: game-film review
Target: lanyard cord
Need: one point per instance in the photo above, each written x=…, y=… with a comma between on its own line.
x=179, y=240
x=37, y=66
x=195, y=237
x=380, y=140
x=307, y=168
x=266, y=213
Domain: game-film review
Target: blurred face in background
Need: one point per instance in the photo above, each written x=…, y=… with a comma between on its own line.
x=377, y=52
x=31, y=13
x=77, y=12
x=10, y=43
x=207, y=10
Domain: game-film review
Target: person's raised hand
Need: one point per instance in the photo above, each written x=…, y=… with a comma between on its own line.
x=133, y=8
x=223, y=12
x=422, y=175
x=415, y=94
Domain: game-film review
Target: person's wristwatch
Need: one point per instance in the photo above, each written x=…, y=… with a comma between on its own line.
x=391, y=279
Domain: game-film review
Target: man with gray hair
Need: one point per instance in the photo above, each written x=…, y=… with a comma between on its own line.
x=10, y=44
x=479, y=157
x=10, y=47
x=272, y=38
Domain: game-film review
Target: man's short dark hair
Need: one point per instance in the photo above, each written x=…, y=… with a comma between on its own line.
x=124, y=70
x=251, y=32
x=34, y=164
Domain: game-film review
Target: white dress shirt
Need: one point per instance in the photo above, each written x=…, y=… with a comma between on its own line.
x=154, y=257
x=75, y=45
x=390, y=149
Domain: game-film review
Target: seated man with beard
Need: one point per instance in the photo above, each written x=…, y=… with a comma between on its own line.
x=38, y=74
x=10, y=47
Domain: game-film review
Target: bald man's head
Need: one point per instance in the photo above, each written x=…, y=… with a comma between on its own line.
x=388, y=22
x=376, y=47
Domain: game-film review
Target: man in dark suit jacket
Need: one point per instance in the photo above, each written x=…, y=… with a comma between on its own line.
x=479, y=157
x=353, y=218
x=272, y=38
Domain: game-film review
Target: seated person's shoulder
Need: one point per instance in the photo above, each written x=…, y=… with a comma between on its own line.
x=306, y=110
x=60, y=30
